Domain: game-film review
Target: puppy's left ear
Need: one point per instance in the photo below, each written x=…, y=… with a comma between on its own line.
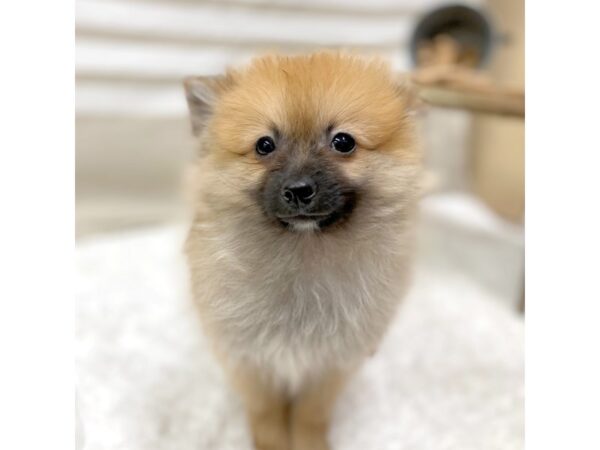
x=409, y=92
x=202, y=93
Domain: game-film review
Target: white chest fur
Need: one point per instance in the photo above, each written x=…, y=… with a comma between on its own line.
x=294, y=304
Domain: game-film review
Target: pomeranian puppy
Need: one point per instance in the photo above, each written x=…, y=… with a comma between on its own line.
x=304, y=193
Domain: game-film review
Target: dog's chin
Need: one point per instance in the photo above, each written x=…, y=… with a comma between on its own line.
x=301, y=224
x=316, y=222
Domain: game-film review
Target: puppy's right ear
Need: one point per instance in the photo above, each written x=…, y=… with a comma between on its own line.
x=202, y=93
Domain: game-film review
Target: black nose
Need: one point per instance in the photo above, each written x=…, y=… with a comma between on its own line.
x=300, y=192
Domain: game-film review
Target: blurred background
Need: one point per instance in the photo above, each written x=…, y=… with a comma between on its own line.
x=133, y=136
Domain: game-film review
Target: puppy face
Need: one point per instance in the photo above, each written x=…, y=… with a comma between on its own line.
x=306, y=143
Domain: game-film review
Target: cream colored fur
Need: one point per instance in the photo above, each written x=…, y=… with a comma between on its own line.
x=289, y=308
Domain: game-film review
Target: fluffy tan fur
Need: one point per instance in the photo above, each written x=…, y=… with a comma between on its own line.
x=291, y=314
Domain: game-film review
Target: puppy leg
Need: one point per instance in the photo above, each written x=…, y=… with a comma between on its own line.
x=267, y=411
x=311, y=411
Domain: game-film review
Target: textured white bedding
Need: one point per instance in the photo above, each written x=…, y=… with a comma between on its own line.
x=449, y=374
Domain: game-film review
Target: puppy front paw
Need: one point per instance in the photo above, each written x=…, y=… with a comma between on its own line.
x=269, y=432
x=271, y=442
x=309, y=436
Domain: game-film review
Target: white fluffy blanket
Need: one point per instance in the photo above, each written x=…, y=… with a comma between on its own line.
x=449, y=374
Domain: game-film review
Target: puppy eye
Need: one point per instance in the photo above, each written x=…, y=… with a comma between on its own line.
x=265, y=145
x=343, y=143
